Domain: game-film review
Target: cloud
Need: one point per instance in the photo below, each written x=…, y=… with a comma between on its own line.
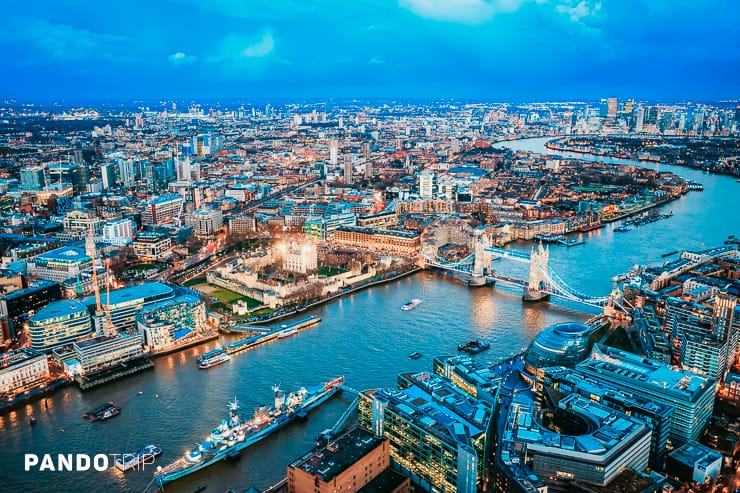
x=376, y=60
x=63, y=42
x=239, y=49
x=581, y=11
x=462, y=11
x=181, y=58
x=261, y=48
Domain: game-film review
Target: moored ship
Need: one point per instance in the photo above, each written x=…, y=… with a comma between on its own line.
x=103, y=412
x=213, y=358
x=287, y=333
x=235, y=434
x=410, y=305
x=138, y=460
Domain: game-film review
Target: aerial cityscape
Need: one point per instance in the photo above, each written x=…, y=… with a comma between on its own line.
x=283, y=258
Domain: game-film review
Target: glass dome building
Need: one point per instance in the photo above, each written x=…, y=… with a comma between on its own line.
x=562, y=344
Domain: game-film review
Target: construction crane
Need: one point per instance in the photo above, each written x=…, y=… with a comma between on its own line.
x=90, y=247
x=100, y=310
x=109, y=328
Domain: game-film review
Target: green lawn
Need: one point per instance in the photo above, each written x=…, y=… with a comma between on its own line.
x=328, y=271
x=225, y=295
x=228, y=297
x=195, y=281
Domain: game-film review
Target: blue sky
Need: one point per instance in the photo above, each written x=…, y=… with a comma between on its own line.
x=493, y=49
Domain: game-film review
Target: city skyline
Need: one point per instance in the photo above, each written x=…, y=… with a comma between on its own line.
x=507, y=49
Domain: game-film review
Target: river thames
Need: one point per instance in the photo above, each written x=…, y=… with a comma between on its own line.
x=364, y=336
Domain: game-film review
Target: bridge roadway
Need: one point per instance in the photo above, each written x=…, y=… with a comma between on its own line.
x=510, y=280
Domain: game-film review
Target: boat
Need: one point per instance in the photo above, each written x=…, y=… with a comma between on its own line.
x=415, y=355
x=549, y=238
x=287, y=333
x=669, y=253
x=410, y=305
x=622, y=229
x=213, y=358
x=272, y=335
x=619, y=278
x=137, y=460
x=302, y=323
x=32, y=420
x=201, y=487
x=234, y=433
x=103, y=412
x=473, y=347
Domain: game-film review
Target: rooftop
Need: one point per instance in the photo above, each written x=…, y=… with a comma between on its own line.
x=132, y=293
x=337, y=456
x=619, y=365
x=18, y=356
x=163, y=199
x=67, y=253
x=692, y=453
x=608, y=428
x=386, y=481
x=59, y=308
x=35, y=285
x=377, y=231
x=434, y=403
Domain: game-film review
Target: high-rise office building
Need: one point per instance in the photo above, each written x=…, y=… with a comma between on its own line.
x=59, y=323
x=127, y=172
x=205, y=222
x=348, y=178
x=612, y=106
x=426, y=184
x=556, y=382
x=107, y=175
x=32, y=178
x=640, y=119
x=577, y=440
x=124, y=303
x=691, y=394
x=165, y=324
x=333, y=153
x=438, y=434
x=164, y=209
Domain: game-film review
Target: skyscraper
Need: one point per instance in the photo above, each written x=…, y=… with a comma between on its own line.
x=426, y=184
x=127, y=172
x=108, y=175
x=640, y=119
x=32, y=178
x=348, y=169
x=612, y=105
x=333, y=152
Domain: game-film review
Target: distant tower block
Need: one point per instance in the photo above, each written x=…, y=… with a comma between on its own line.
x=348, y=169
x=538, y=271
x=333, y=152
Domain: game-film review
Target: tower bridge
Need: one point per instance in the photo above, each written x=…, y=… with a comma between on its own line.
x=543, y=281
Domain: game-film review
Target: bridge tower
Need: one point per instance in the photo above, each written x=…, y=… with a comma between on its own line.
x=538, y=274
x=482, y=260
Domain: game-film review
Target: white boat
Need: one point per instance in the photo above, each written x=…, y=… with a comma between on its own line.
x=410, y=305
x=287, y=333
x=213, y=358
